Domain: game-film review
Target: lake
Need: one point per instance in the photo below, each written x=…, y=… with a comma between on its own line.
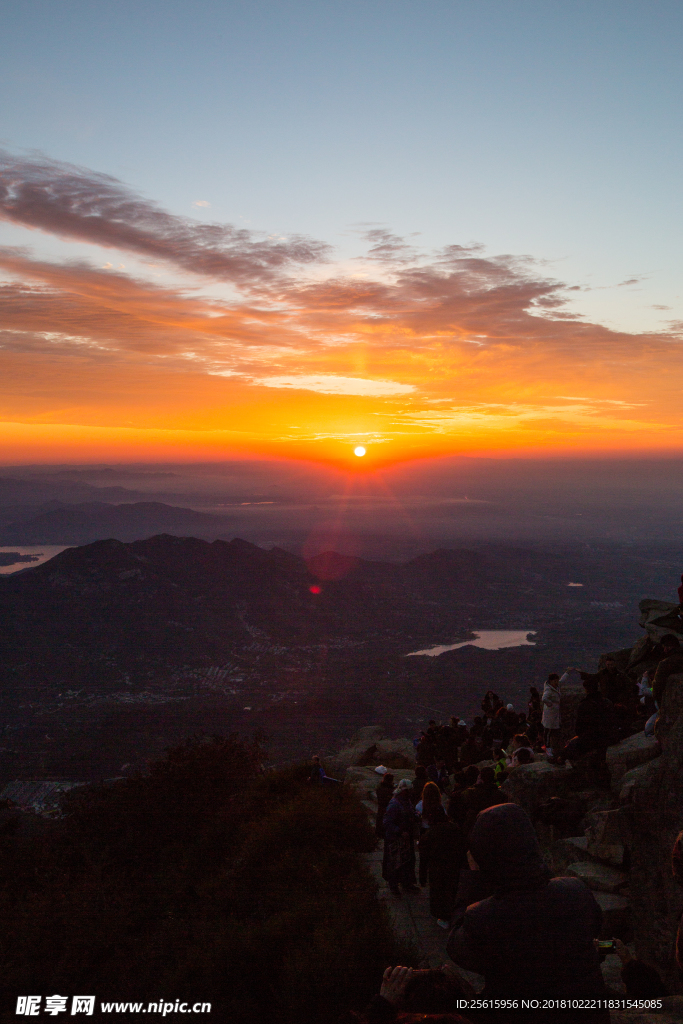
x=489, y=639
x=43, y=553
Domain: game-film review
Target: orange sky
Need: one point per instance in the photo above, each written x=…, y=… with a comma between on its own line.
x=176, y=340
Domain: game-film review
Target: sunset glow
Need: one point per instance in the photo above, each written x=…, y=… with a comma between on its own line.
x=277, y=274
x=450, y=352
x=359, y=451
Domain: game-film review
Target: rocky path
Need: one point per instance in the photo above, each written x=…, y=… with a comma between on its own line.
x=411, y=919
x=597, y=858
x=410, y=916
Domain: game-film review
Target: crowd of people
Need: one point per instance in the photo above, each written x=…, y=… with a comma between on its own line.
x=438, y=809
x=451, y=828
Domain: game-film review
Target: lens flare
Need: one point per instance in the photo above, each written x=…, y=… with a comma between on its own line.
x=359, y=451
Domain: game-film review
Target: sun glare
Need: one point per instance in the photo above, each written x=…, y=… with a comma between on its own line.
x=359, y=451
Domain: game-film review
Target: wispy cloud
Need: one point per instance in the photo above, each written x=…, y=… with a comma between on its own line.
x=328, y=384
x=485, y=338
x=79, y=204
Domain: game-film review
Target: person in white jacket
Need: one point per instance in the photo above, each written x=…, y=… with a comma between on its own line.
x=550, y=702
x=551, y=712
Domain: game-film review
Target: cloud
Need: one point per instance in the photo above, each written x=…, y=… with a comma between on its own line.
x=327, y=384
x=76, y=203
x=454, y=343
x=201, y=202
x=388, y=248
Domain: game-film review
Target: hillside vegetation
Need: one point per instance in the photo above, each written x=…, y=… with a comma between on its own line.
x=204, y=880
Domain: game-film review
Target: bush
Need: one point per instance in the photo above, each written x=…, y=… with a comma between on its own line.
x=207, y=881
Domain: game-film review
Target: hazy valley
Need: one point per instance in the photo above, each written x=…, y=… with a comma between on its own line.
x=112, y=651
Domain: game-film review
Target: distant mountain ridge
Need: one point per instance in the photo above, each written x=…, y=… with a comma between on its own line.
x=112, y=650
x=96, y=520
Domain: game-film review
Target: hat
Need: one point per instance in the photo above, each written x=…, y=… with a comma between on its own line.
x=510, y=708
x=404, y=784
x=381, y=770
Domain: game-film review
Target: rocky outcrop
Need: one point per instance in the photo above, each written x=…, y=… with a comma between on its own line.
x=660, y=617
x=371, y=747
x=598, y=877
x=670, y=708
x=606, y=833
x=531, y=785
x=631, y=752
x=651, y=798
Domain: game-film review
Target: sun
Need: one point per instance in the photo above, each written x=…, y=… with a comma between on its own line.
x=359, y=451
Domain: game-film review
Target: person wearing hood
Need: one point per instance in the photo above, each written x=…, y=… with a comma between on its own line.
x=533, y=938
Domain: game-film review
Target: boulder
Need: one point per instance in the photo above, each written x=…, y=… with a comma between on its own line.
x=530, y=785
x=366, y=780
x=396, y=753
x=605, y=834
x=564, y=852
x=370, y=746
x=360, y=750
x=368, y=735
x=563, y=813
x=660, y=617
x=570, y=697
x=598, y=877
x=652, y=799
x=630, y=753
x=637, y=777
x=670, y=708
x=616, y=916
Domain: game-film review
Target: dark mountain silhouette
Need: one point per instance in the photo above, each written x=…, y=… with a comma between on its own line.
x=110, y=651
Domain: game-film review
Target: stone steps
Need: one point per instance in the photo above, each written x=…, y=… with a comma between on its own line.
x=599, y=877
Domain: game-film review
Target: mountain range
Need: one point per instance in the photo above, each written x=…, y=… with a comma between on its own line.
x=111, y=651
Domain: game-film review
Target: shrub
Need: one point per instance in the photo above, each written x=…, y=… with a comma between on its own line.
x=206, y=880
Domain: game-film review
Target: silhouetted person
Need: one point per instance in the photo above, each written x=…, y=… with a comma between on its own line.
x=429, y=811
x=534, y=700
x=444, y=850
x=406, y=996
x=424, y=753
x=398, y=863
x=438, y=773
x=595, y=726
x=534, y=936
x=384, y=793
x=484, y=793
x=318, y=775
x=614, y=684
x=640, y=980
x=418, y=783
x=457, y=804
x=520, y=743
x=551, y=713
